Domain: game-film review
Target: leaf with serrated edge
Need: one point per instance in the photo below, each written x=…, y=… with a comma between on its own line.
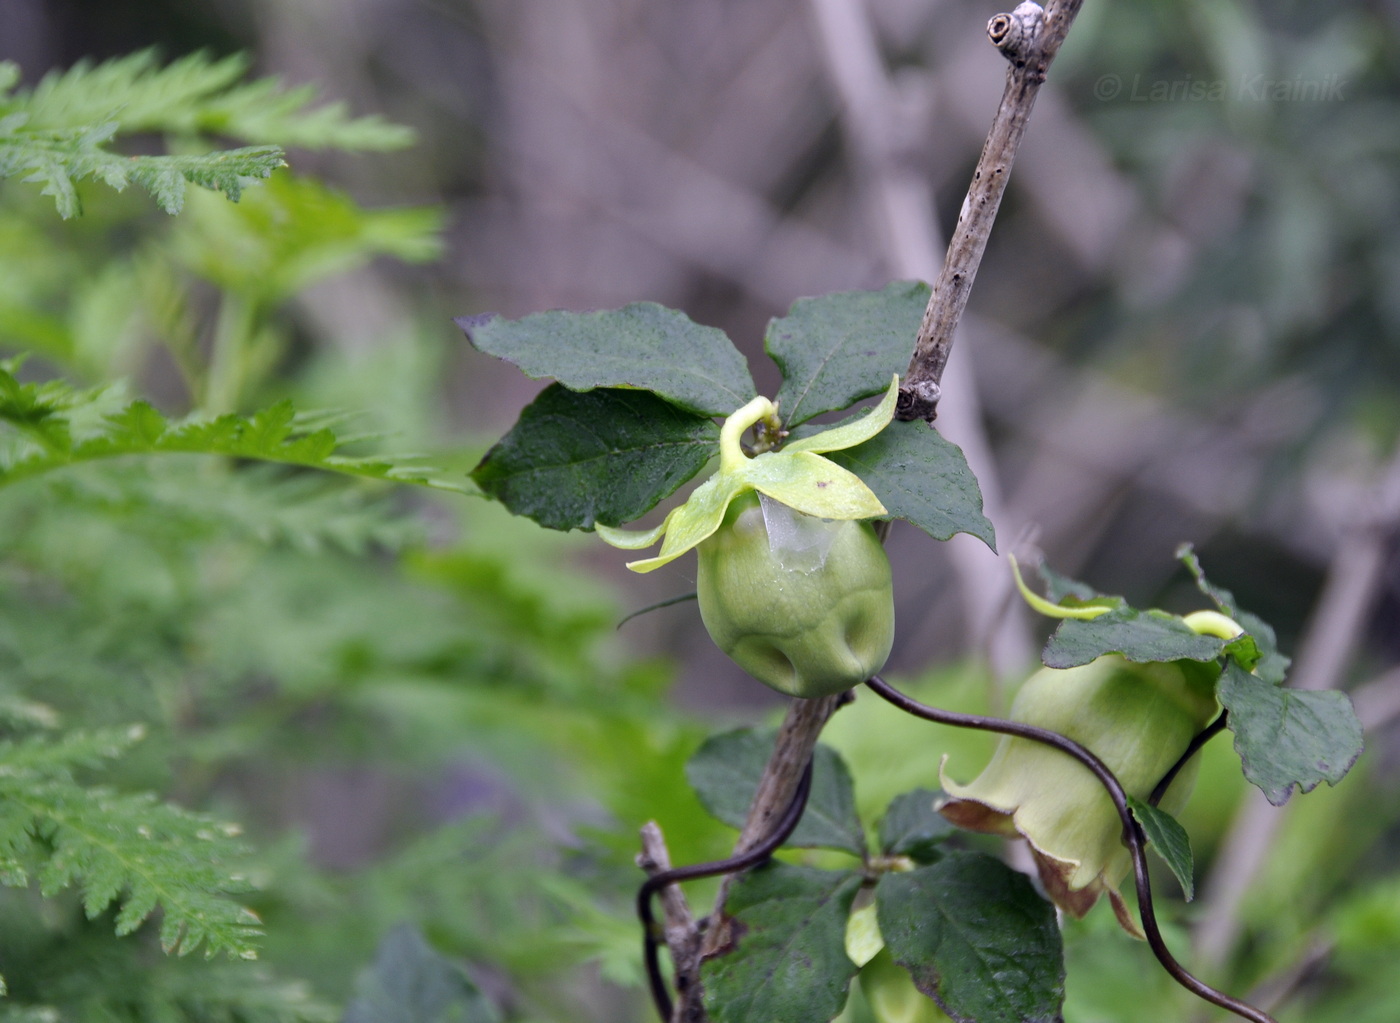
x=573, y=460
x=643, y=345
x=1288, y=737
x=789, y=964
x=725, y=772
x=1170, y=840
x=922, y=478
x=835, y=349
x=1140, y=636
x=977, y=938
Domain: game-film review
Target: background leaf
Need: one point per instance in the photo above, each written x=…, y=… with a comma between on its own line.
x=642, y=345
x=1270, y=665
x=411, y=983
x=602, y=456
x=836, y=349
x=725, y=772
x=198, y=94
x=52, y=427
x=129, y=852
x=920, y=477
x=1140, y=636
x=1170, y=840
x=912, y=828
x=1059, y=587
x=975, y=936
x=1288, y=737
x=789, y=963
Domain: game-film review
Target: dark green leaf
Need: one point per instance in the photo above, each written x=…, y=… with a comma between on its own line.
x=789, y=963
x=1263, y=659
x=919, y=476
x=1140, y=636
x=912, y=828
x=643, y=345
x=1288, y=737
x=725, y=772
x=602, y=456
x=1170, y=840
x=977, y=938
x=836, y=349
x=411, y=983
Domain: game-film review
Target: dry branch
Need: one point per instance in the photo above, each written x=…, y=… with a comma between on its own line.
x=1029, y=38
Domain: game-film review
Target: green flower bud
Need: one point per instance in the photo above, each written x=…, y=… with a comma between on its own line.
x=802, y=604
x=1138, y=719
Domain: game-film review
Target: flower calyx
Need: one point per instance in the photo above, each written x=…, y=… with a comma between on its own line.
x=795, y=475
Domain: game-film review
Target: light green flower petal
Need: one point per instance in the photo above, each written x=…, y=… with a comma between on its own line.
x=851, y=434
x=813, y=485
x=863, y=937
x=696, y=520
x=633, y=539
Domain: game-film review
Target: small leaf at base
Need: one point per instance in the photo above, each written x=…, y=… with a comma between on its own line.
x=1170, y=840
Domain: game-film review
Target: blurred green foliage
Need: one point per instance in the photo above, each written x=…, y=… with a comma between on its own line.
x=272, y=635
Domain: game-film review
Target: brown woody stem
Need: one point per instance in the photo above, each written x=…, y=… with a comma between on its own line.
x=1029, y=38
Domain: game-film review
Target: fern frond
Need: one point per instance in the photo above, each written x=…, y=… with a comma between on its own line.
x=59, y=158
x=297, y=231
x=43, y=415
x=265, y=503
x=201, y=95
x=232, y=993
x=120, y=848
x=69, y=970
x=133, y=91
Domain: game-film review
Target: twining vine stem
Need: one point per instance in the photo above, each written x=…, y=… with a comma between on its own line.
x=1210, y=732
x=651, y=931
x=1133, y=835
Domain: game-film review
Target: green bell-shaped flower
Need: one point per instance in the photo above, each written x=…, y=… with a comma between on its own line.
x=1138, y=719
x=793, y=585
x=802, y=604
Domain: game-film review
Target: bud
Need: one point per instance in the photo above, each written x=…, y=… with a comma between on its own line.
x=803, y=604
x=1138, y=719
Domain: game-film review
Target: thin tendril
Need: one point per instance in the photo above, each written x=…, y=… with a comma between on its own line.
x=1211, y=731
x=651, y=937
x=1133, y=835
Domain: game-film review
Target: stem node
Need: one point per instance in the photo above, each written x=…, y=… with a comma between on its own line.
x=1015, y=34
